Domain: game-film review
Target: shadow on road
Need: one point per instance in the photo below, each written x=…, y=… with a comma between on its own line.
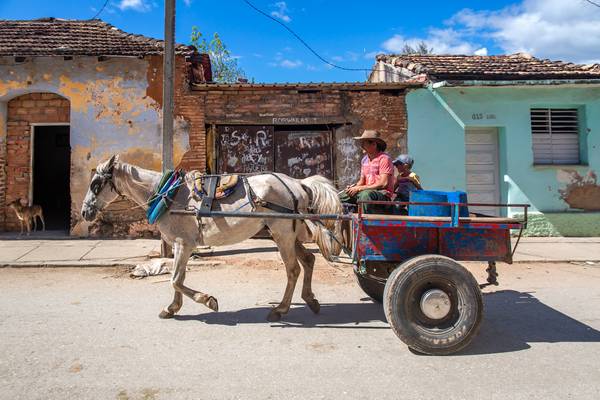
x=512, y=320
x=343, y=316
x=231, y=252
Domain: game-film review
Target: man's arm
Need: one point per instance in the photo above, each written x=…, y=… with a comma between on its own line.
x=360, y=182
x=380, y=184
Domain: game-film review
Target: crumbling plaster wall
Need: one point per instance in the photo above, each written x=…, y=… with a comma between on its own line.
x=113, y=110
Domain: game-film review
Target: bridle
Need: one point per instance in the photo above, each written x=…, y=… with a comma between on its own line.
x=105, y=177
x=99, y=181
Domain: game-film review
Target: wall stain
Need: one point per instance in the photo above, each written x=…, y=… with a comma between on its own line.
x=583, y=192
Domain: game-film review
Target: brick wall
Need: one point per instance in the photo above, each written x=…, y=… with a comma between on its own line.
x=21, y=113
x=188, y=107
x=354, y=108
x=365, y=109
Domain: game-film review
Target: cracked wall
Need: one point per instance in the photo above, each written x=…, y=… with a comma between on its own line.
x=113, y=109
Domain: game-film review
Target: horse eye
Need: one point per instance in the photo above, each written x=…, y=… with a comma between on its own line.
x=96, y=186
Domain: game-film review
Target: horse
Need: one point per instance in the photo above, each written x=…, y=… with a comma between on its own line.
x=184, y=233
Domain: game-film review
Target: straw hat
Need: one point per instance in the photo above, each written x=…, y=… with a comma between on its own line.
x=370, y=134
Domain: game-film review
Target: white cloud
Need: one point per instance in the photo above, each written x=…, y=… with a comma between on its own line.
x=554, y=29
x=285, y=63
x=442, y=41
x=281, y=11
x=348, y=56
x=351, y=56
x=188, y=2
x=136, y=5
x=370, y=55
x=290, y=63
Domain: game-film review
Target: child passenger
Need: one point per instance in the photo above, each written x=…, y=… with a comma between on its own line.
x=407, y=180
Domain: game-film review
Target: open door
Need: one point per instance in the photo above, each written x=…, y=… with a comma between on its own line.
x=51, y=174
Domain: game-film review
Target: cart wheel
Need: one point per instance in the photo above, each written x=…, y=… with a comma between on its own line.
x=433, y=304
x=371, y=287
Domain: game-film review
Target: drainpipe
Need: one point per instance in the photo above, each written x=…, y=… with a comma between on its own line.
x=431, y=87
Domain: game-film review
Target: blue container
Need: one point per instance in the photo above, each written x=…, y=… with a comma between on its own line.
x=431, y=196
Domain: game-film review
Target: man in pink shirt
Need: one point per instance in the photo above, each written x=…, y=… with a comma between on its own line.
x=376, y=174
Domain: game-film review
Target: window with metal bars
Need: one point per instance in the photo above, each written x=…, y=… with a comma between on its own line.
x=555, y=134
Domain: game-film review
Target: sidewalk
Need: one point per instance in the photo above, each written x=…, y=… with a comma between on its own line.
x=65, y=252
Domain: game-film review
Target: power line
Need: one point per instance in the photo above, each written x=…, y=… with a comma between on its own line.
x=594, y=3
x=303, y=42
x=100, y=12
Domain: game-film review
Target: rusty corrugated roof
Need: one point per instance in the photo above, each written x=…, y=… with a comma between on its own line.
x=519, y=66
x=60, y=37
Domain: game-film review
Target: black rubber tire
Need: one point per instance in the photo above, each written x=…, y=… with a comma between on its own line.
x=401, y=304
x=372, y=288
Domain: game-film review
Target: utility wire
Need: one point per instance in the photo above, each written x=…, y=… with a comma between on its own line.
x=303, y=42
x=101, y=9
x=594, y=3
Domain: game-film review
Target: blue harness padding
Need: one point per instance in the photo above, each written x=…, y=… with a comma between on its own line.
x=163, y=197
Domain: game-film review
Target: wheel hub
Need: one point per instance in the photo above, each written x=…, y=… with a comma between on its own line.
x=435, y=304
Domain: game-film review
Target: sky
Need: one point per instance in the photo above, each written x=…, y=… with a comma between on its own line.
x=349, y=33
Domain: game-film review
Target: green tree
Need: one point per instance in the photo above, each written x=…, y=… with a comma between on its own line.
x=420, y=48
x=224, y=67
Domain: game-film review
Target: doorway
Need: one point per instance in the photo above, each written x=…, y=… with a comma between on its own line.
x=51, y=174
x=482, y=169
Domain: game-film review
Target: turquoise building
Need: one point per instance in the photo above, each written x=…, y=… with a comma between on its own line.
x=507, y=129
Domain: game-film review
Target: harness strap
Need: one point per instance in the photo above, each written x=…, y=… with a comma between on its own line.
x=294, y=199
x=210, y=183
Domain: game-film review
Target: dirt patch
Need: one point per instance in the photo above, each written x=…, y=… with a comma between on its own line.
x=76, y=367
x=322, y=347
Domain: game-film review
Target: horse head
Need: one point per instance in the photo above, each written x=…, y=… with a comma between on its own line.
x=102, y=190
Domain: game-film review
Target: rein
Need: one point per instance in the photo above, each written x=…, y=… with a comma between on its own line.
x=107, y=177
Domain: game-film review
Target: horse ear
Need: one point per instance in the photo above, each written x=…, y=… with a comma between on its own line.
x=111, y=163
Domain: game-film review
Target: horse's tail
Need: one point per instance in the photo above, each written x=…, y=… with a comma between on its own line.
x=324, y=200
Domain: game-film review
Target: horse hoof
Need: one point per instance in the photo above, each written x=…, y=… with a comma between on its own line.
x=165, y=315
x=314, y=305
x=213, y=304
x=274, y=316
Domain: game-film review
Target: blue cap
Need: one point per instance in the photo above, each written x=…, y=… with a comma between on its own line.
x=403, y=159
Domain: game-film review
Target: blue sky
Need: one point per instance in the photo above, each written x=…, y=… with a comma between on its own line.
x=349, y=33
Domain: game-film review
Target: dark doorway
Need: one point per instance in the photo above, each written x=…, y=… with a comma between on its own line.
x=51, y=173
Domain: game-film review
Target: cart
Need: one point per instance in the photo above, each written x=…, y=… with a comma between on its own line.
x=410, y=264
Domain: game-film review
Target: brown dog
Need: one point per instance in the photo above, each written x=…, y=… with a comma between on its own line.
x=26, y=214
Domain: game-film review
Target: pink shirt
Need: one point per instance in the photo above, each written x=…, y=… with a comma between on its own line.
x=373, y=169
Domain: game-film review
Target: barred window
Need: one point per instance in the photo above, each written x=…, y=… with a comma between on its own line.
x=555, y=134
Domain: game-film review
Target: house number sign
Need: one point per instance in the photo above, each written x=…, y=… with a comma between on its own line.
x=478, y=116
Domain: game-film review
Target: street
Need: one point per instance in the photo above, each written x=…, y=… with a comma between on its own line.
x=95, y=333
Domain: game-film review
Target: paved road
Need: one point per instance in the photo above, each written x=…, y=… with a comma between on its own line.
x=94, y=333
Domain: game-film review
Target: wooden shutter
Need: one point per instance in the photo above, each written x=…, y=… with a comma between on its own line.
x=555, y=135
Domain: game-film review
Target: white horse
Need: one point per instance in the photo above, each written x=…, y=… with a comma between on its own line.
x=315, y=194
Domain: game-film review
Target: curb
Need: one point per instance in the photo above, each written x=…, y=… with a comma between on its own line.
x=66, y=265
x=85, y=264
